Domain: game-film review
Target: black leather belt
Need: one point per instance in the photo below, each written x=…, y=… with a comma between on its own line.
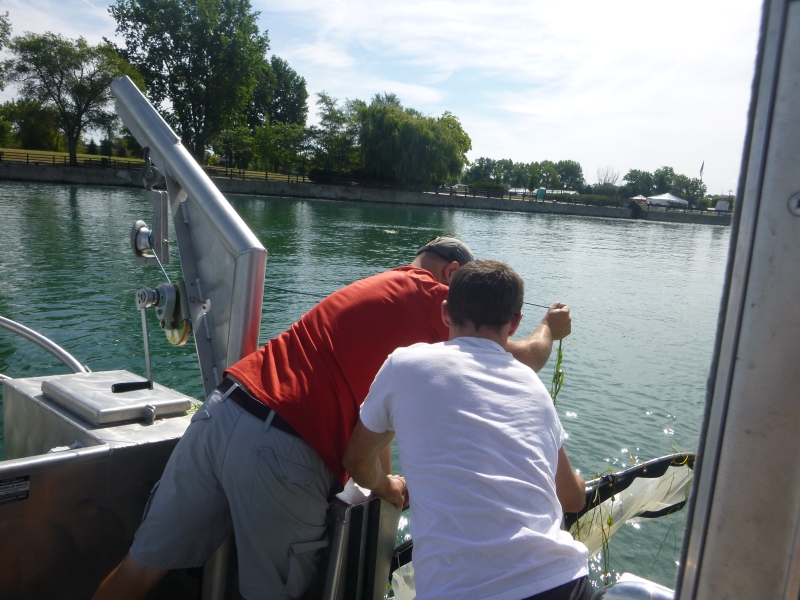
x=256, y=408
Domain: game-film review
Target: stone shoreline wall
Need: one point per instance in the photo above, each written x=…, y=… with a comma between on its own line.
x=95, y=176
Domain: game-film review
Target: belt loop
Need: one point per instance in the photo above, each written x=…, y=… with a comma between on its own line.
x=268, y=422
x=229, y=392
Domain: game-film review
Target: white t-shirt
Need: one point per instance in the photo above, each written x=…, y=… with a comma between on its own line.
x=478, y=439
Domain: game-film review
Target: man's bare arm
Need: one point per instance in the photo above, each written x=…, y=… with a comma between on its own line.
x=570, y=487
x=362, y=459
x=385, y=458
x=535, y=349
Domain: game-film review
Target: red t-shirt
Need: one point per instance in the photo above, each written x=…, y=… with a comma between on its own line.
x=317, y=373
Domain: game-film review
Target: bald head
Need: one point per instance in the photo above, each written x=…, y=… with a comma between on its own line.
x=441, y=269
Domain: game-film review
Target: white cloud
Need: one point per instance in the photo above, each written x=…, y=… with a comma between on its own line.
x=629, y=83
x=322, y=54
x=71, y=18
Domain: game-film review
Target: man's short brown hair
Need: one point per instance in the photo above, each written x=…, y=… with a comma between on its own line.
x=485, y=292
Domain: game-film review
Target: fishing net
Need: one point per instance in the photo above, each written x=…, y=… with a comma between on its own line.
x=656, y=488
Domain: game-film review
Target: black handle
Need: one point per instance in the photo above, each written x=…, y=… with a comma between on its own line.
x=131, y=386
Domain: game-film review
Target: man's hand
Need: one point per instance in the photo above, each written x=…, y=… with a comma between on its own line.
x=394, y=490
x=535, y=349
x=558, y=320
x=362, y=459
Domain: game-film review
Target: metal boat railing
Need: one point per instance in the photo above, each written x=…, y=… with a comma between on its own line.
x=45, y=343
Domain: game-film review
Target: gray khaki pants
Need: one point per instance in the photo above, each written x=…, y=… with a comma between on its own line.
x=231, y=471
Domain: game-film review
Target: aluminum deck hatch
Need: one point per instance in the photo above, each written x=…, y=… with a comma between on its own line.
x=89, y=396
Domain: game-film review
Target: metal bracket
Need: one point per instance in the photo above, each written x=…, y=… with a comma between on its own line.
x=151, y=176
x=151, y=246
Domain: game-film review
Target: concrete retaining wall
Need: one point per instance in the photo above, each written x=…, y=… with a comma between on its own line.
x=359, y=194
x=677, y=217
x=49, y=173
x=85, y=176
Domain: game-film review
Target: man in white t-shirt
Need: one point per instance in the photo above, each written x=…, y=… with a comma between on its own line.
x=481, y=449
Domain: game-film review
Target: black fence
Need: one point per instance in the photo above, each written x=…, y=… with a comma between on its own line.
x=46, y=158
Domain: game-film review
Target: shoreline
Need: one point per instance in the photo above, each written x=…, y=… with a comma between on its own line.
x=47, y=173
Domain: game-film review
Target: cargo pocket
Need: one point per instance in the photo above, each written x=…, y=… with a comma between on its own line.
x=304, y=560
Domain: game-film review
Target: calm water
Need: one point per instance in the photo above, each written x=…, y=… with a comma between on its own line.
x=644, y=299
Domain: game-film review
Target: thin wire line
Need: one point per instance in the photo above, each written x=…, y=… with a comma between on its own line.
x=319, y=297
x=281, y=289
x=539, y=305
x=160, y=265
x=275, y=287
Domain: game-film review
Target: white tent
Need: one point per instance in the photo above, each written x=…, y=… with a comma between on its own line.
x=666, y=200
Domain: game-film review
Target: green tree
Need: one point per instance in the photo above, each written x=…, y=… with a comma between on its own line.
x=448, y=154
x=663, y=179
x=291, y=143
x=265, y=146
x=289, y=102
x=5, y=39
x=331, y=136
x=130, y=143
x=279, y=96
x=549, y=175
x=257, y=113
x=481, y=169
x=236, y=144
x=106, y=147
x=8, y=137
x=31, y=126
x=108, y=123
x=518, y=175
x=690, y=189
x=404, y=145
x=534, y=176
x=387, y=99
x=201, y=59
x=69, y=76
x=279, y=145
x=570, y=173
x=504, y=169
x=638, y=183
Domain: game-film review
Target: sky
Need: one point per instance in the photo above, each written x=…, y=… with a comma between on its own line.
x=629, y=84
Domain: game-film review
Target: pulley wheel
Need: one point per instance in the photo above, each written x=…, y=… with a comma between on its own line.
x=179, y=336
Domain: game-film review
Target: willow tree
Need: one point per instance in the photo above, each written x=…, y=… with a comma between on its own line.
x=402, y=144
x=201, y=60
x=71, y=77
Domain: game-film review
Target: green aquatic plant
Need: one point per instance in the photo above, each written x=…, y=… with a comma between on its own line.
x=601, y=521
x=558, y=374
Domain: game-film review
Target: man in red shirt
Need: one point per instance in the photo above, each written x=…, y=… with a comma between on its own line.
x=267, y=464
